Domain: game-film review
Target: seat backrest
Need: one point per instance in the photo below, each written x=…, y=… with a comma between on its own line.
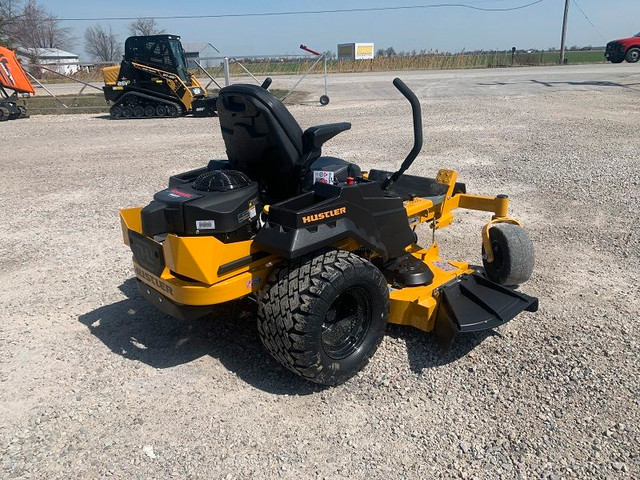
x=262, y=138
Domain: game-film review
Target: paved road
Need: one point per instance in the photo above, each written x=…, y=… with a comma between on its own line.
x=448, y=83
x=486, y=82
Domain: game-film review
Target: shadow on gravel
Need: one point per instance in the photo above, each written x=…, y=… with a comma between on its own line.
x=424, y=352
x=137, y=331
x=587, y=83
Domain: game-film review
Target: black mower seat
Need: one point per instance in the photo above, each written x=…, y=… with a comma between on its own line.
x=409, y=186
x=264, y=141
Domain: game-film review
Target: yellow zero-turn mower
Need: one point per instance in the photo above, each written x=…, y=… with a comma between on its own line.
x=328, y=251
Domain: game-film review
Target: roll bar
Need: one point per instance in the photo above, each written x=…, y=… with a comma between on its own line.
x=417, y=132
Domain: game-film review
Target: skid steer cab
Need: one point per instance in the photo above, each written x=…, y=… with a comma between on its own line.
x=327, y=250
x=153, y=81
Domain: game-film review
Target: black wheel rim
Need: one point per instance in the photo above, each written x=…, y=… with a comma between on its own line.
x=346, y=323
x=149, y=111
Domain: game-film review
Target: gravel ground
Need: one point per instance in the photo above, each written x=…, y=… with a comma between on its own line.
x=94, y=383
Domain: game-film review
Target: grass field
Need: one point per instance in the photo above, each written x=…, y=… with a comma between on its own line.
x=89, y=103
x=420, y=62
x=44, y=104
x=381, y=64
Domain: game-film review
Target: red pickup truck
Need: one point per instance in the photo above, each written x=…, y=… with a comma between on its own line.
x=624, y=49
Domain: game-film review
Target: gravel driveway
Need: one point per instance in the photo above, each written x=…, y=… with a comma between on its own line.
x=95, y=383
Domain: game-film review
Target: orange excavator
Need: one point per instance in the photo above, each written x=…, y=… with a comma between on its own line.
x=12, y=78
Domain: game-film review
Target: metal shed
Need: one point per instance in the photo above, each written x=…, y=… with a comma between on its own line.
x=200, y=51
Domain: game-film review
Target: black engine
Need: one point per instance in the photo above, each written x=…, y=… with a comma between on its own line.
x=222, y=203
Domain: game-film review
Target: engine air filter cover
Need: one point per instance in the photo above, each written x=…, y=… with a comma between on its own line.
x=221, y=181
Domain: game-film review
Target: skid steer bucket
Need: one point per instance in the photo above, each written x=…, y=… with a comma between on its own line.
x=473, y=303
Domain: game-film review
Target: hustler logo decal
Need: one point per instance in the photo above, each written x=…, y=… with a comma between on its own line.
x=316, y=217
x=151, y=280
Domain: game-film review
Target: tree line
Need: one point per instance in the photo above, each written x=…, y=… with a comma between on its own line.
x=29, y=25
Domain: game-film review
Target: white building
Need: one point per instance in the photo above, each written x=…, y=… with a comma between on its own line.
x=52, y=58
x=199, y=52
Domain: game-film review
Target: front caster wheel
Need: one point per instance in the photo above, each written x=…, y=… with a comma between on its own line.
x=513, y=255
x=323, y=316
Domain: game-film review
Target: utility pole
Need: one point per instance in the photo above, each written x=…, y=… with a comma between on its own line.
x=563, y=43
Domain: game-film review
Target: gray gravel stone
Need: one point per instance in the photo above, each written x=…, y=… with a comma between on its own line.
x=90, y=374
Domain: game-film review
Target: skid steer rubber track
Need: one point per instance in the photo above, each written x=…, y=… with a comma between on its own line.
x=140, y=105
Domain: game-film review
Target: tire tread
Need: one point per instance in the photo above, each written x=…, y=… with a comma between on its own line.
x=287, y=308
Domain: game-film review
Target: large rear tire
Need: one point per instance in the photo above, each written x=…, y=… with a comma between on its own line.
x=513, y=255
x=323, y=316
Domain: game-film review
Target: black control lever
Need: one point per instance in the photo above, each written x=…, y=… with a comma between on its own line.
x=417, y=132
x=266, y=83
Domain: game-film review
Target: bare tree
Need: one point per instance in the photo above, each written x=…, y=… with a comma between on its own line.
x=102, y=45
x=8, y=11
x=145, y=26
x=32, y=26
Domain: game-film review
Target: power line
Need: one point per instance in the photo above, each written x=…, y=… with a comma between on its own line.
x=310, y=12
x=588, y=20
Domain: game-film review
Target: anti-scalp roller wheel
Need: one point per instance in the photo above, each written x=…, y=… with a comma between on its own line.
x=513, y=255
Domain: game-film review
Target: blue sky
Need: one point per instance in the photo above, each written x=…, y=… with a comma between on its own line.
x=444, y=28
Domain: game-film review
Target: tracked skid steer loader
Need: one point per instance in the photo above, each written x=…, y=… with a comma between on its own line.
x=153, y=81
x=326, y=249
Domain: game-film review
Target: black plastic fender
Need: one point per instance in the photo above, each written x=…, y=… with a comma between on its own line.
x=329, y=213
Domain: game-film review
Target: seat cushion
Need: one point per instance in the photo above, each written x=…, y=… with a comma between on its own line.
x=262, y=138
x=287, y=122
